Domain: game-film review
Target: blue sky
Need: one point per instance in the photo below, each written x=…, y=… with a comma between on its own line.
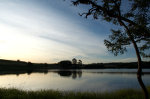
x=50, y=31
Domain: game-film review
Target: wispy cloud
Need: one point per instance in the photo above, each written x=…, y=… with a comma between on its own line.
x=45, y=33
x=40, y=31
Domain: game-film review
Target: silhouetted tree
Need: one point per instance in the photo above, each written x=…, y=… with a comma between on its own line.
x=29, y=68
x=30, y=64
x=65, y=64
x=79, y=62
x=74, y=61
x=18, y=60
x=134, y=26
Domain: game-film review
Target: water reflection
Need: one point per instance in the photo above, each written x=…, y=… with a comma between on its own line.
x=72, y=79
x=28, y=71
x=62, y=72
x=74, y=74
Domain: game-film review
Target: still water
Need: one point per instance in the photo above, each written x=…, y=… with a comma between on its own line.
x=80, y=80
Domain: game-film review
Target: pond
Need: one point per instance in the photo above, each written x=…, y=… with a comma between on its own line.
x=100, y=80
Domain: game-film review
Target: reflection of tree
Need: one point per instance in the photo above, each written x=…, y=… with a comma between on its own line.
x=29, y=71
x=45, y=71
x=74, y=74
x=64, y=73
x=80, y=74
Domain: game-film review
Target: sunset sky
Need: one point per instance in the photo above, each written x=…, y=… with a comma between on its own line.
x=51, y=30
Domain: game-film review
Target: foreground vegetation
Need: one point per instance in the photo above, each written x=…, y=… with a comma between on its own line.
x=51, y=94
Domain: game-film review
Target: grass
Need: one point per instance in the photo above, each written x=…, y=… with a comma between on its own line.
x=51, y=94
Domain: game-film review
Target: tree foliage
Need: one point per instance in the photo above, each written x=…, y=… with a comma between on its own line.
x=135, y=17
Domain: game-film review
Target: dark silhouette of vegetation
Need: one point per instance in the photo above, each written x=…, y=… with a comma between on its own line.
x=74, y=61
x=6, y=65
x=79, y=62
x=134, y=26
x=30, y=64
x=18, y=60
x=65, y=64
x=117, y=65
x=17, y=68
x=76, y=64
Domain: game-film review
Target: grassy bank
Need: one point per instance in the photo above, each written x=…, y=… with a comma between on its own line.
x=50, y=94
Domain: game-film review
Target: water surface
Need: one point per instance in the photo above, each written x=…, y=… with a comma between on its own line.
x=75, y=80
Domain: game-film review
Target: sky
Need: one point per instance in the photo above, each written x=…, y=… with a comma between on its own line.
x=48, y=31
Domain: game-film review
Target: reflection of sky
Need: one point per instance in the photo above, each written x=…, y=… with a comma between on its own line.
x=46, y=31
x=87, y=82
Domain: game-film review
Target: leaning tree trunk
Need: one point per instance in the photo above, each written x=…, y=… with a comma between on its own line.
x=139, y=72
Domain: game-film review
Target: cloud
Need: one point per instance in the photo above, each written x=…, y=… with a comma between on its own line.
x=47, y=33
x=133, y=59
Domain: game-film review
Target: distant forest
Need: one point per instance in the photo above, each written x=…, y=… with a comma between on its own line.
x=66, y=64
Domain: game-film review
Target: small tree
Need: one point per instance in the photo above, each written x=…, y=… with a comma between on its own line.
x=79, y=62
x=74, y=61
x=18, y=60
x=134, y=27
